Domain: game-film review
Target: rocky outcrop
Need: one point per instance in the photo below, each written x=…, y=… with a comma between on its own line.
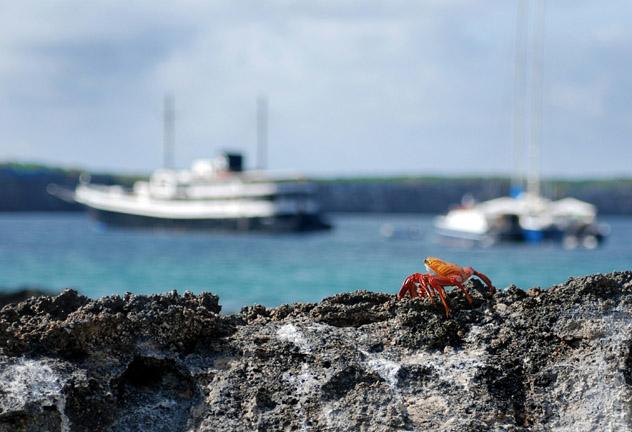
x=8, y=296
x=535, y=360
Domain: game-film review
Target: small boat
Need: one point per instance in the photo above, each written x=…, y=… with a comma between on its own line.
x=526, y=217
x=215, y=194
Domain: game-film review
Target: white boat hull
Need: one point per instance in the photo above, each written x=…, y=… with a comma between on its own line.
x=277, y=223
x=116, y=207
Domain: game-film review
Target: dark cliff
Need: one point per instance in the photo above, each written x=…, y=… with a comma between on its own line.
x=24, y=187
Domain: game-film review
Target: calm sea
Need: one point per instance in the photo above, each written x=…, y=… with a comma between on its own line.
x=56, y=251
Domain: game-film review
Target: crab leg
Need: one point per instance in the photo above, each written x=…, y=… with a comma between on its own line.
x=433, y=280
x=433, y=293
x=423, y=289
x=486, y=280
x=448, y=281
x=460, y=286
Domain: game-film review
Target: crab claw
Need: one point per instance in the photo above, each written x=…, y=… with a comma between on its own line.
x=408, y=287
x=435, y=282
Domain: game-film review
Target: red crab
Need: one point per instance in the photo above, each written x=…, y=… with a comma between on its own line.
x=441, y=274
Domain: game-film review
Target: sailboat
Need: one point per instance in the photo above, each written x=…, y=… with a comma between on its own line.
x=525, y=215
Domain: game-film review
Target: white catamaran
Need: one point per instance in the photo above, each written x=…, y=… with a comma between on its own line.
x=524, y=218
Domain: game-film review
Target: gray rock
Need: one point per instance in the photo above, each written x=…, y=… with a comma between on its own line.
x=536, y=360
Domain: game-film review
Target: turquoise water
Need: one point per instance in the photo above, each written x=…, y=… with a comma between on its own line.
x=56, y=251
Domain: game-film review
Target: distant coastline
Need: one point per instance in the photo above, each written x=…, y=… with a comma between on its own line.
x=24, y=189
x=16, y=295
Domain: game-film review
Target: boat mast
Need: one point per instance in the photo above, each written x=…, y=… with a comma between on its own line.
x=519, y=96
x=535, y=141
x=168, y=137
x=262, y=131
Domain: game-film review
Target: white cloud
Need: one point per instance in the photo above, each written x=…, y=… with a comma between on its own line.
x=353, y=86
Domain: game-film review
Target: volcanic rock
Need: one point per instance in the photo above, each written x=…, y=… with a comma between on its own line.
x=521, y=360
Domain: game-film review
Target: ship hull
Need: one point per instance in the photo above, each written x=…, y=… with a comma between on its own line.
x=276, y=223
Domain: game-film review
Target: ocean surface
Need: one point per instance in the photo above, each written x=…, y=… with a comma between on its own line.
x=61, y=250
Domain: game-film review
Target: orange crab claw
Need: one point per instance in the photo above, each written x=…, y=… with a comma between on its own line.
x=408, y=286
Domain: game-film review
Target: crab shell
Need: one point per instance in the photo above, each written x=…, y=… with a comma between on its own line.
x=446, y=269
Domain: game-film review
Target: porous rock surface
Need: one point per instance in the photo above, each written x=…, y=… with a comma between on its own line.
x=556, y=359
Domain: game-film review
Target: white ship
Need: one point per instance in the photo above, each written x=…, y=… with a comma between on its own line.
x=214, y=194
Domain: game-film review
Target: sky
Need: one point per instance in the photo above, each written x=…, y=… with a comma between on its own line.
x=354, y=87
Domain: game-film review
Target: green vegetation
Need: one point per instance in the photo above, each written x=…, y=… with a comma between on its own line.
x=32, y=168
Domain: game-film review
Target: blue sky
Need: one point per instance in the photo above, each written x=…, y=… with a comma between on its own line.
x=354, y=87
